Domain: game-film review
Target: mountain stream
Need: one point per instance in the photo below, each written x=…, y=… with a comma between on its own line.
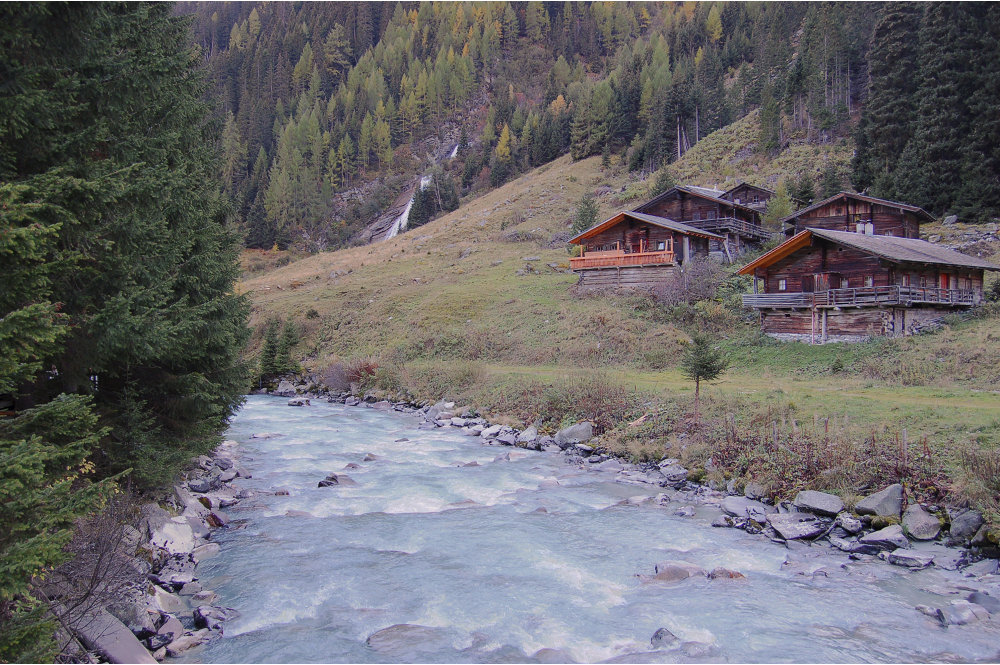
x=531, y=559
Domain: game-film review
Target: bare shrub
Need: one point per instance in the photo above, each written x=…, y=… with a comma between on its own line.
x=977, y=478
x=335, y=377
x=698, y=279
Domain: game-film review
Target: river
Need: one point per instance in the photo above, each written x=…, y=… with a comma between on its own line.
x=502, y=559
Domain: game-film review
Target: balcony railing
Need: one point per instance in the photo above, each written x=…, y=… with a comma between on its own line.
x=618, y=258
x=732, y=224
x=869, y=296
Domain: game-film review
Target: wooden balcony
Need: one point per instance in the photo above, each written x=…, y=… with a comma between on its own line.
x=740, y=227
x=869, y=296
x=617, y=258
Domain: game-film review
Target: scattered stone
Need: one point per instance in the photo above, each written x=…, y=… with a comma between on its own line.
x=848, y=523
x=369, y=457
x=964, y=524
x=350, y=466
x=886, y=503
x=157, y=641
x=174, y=537
x=340, y=480
x=491, y=432
x=662, y=639
x=583, y=449
x=919, y=524
x=980, y=568
x=167, y=602
x=819, y=502
x=223, y=463
x=754, y=490
x=685, y=511
x=745, y=508
x=722, y=521
x=933, y=612
x=227, y=476
x=529, y=435
x=172, y=628
x=507, y=438
x=852, y=546
x=574, y=434
x=891, y=537
x=674, y=474
x=793, y=526
x=675, y=571
x=987, y=601
x=285, y=388
x=109, y=637
x=206, y=551
x=206, y=616
x=911, y=559
x=458, y=422
x=298, y=401
x=962, y=612
x=206, y=484
x=185, y=642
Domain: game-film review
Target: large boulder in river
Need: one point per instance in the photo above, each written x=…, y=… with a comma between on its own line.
x=404, y=640
x=285, y=388
x=919, y=524
x=528, y=435
x=176, y=537
x=820, y=503
x=886, y=503
x=574, y=434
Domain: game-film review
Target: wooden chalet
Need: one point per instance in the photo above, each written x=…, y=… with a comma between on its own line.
x=833, y=285
x=859, y=213
x=636, y=250
x=749, y=195
x=738, y=225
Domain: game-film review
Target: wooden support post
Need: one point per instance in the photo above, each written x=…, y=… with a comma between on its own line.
x=686, y=249
x=823, y=335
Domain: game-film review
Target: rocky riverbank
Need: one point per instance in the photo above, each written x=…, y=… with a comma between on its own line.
x=880, y=526
x=171, y=611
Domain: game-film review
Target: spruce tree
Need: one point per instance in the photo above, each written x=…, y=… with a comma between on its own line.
x=586, y=214
x=701, y=362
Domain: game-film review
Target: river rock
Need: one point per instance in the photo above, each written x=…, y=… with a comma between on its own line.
x=285, y=388
x=404, y=639
x=206, y=551
x=164, y=601
x=991, y=604
x=886, y=503
x=852, y=546
x=891, y=537
x=204, y=484
x=911, y=559
x=529, y=435
x=574, y=434
x=185, y=642
x=675, y=571
x=962, y=612
x=458, y=421
x=227, y=476
x=754, y=490
x=964, y=524
x=793, y=526
x=721, y=573
x=744, y=508
x=819, y=502
x=662, y=639
x=507, y=438
x=685, y=511
x=722, y=521
x=172, y=628
x=919, y=524
x=108, y=636
x=206, y=616
x=980, y=568
x=298, y=401
x=491, y=431
x=674, y=474
x=337, y=479
x=369, y=457
x=176, y=537
x=848, y=523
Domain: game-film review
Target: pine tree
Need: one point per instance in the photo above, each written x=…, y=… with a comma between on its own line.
x=586, y=214
x=701, y=362
x=283, y=363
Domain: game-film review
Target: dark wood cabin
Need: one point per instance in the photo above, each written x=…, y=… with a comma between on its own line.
x=635, y=250
x=857, y=213
x=704, y=209
x=749, y=195
x=822, y=285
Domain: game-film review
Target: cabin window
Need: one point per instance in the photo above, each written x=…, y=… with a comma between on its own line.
x=695, y=217
x=756, y=199
x=839, y=211
x=952, y=281
x=711, y=214
x=782, y=284
x=736, y=200
x=844, y=283
x=869, y=280
x=906, y=280
x=661, y=245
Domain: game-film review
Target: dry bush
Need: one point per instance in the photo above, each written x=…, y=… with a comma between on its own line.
x=698, y=279
x=361, y=370
x=977, y=479
x=335, y=377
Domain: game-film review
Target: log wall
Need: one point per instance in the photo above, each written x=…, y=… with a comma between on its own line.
x=843, y=215
x=850, y=324
x=630, y=277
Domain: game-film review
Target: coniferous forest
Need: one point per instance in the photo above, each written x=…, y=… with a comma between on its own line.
x=142, y=146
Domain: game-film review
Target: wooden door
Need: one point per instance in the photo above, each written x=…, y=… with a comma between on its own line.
x=807, y=283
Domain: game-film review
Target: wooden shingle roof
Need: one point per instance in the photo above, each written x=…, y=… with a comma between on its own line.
x=861, y=197
x=649, y=219
x=890, y=248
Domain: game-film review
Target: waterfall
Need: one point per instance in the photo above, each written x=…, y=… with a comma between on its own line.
x=454, y=152
x=400, y=223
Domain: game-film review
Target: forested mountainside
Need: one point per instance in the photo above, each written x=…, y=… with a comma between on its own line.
x=331, y=109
